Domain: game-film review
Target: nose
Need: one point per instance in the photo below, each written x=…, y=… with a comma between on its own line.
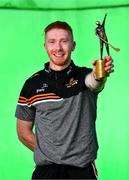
x=58, y=46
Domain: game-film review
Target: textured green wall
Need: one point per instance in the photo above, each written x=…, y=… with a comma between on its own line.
x=22, y=54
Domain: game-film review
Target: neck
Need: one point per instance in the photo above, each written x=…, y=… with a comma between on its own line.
x=57, y=67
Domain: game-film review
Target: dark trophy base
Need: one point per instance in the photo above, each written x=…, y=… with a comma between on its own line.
x=100, y=72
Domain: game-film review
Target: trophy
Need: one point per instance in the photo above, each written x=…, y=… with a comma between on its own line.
x=101, y=33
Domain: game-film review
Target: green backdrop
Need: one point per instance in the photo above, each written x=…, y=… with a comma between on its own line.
x=22, y=54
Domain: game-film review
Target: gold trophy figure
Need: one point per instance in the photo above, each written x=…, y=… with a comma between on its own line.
x=101, y=33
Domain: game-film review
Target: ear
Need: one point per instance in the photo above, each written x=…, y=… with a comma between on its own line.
x=44, y=45
x=74, y=45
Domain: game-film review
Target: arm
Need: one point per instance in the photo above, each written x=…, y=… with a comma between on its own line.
x=94, y=84
x=25, y=133
x=98, y=84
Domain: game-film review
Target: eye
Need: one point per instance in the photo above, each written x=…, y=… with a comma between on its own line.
x=51, y=41
x=64, y=41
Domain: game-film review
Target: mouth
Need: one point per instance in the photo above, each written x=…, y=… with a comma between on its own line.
x=59, y=55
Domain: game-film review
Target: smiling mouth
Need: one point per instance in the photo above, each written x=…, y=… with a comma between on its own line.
x=58, y=55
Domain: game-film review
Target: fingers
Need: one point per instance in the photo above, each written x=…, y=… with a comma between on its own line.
x=109, y=69
x=108, y=64
x=107, y=58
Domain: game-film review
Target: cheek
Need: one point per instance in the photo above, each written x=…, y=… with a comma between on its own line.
x=48, y=49
x=70, y=49
x=67, y=48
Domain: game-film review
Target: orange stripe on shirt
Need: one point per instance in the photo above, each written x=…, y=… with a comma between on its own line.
x=43, y=98
x=40, y=96
x=22, y=98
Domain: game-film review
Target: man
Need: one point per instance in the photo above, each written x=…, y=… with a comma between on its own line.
x=61, y=101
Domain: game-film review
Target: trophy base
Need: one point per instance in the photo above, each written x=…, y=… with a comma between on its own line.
x=100, y=72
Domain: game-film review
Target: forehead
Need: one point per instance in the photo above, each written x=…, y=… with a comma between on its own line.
x=58, y=33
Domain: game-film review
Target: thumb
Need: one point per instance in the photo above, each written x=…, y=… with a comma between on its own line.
x=94, y=62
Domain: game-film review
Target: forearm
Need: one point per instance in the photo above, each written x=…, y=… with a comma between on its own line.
x=93, y=84
x=28, y=140
x=25, y=133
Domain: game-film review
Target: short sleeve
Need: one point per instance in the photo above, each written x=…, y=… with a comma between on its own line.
x=86, y=71
x=24, y=110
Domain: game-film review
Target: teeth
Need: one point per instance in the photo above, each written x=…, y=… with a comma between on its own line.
x=59, y=55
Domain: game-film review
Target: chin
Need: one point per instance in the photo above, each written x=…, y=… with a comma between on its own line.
x=61, y=62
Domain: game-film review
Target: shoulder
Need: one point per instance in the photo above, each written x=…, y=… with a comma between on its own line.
x=83, y=69
x=33, y=79
x=36, y=75
x=81, y=72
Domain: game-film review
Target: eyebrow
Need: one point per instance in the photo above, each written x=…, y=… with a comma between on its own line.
x=52, y=39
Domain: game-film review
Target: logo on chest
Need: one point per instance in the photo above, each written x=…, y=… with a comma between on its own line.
x=71, y=82
x=43, y=88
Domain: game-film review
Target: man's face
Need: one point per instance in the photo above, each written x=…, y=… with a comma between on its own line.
x=59, y=44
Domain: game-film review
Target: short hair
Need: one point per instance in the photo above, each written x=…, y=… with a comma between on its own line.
x=59, y=25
